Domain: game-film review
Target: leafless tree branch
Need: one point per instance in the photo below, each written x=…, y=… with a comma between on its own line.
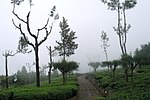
x=28, y=26
x=25, y=36
x=18, y=17
x=43, y=27
x=47, y=33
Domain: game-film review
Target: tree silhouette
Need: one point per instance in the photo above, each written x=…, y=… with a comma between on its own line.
x=37, y=42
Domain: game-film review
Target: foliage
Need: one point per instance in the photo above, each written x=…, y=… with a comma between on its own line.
x=67, y=45
x=142, y=55
x=23, y=45
x=64, y=67
x=113, y=4
x=17, y=2
x=22, y=77
x=138, y=89
x=55, y=91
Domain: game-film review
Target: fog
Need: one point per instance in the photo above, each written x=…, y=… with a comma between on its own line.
x=86, y=17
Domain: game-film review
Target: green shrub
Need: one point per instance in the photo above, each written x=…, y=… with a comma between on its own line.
x=54, y=91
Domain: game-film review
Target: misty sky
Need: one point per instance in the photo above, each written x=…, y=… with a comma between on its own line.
x=86, y=17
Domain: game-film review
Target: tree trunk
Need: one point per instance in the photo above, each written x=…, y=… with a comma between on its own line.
x=6, y=72
x=126, y=74
x=64, y=80
x=125, y=31
x=106, y=55
x=49, y=77
x=50, y=64
x=37, y=66
x=66, y=76
x=119, y=32
x=94, y=69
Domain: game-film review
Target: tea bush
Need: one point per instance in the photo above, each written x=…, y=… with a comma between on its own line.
x=53, y=91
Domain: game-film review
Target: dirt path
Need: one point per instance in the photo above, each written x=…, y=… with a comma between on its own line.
x=86, y=90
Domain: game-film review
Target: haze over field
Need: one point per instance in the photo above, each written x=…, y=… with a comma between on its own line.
x=86, y=17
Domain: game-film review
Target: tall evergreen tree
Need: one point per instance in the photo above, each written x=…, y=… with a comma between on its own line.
x=67, y=45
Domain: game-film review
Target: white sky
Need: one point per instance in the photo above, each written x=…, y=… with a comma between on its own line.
x=86, y=17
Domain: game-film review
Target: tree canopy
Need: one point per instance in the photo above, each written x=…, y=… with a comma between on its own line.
x=64, y=67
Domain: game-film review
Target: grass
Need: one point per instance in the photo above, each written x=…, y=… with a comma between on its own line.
x=138, y=89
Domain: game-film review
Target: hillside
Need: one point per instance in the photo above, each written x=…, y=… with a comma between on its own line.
x=119, y=89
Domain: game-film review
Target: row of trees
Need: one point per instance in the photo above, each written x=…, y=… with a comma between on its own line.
x=127, y=61
x=66, y=47
x=24, y=77
x=122, y=28
x=139, y=58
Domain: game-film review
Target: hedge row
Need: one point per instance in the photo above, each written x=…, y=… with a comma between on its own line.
x=42, y=93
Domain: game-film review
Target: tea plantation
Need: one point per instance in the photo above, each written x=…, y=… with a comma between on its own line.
x=119, y=89
x=54, y=91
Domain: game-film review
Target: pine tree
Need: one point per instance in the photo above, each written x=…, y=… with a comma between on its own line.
x=67, y=45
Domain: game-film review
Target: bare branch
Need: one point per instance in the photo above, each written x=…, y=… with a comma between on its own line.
x=15, y=24
x=9, y=53
x=28, y=26
x=50, y=49
x=47, y=33
x=25, y=36
x=43, y=27
x=18, y=17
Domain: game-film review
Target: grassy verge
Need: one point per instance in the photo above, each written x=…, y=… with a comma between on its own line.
x=138, y=89
x=54, y=91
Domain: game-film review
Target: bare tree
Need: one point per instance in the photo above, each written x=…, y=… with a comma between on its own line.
x=37, y=42
x=123, y=27
x=6, y=55
x=105, y=45
x=50, y=62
